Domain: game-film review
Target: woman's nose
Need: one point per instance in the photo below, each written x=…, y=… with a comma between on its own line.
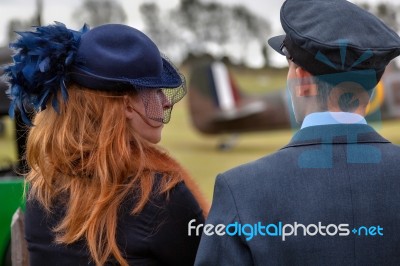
x=165, y=101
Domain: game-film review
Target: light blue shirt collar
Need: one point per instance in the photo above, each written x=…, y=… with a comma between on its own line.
x=332, y=118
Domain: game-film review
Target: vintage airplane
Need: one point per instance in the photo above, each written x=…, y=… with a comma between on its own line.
x=218, y=106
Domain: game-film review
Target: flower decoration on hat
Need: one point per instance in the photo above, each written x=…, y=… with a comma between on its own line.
x=38, y=72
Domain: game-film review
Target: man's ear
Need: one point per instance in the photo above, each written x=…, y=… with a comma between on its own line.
x=307, y=86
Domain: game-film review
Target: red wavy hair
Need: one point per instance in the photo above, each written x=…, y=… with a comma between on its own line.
x=88, y=155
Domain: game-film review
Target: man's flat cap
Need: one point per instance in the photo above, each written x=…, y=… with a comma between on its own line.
x=333, y=36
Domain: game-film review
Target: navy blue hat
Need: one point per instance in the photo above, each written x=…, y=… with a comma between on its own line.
x=115, y=56
x=110, y=57
x=327, y=37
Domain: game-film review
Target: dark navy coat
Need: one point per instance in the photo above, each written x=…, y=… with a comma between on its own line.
x=345, y=177
x=156, y=236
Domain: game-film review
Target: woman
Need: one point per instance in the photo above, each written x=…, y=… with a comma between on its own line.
x=100, y=191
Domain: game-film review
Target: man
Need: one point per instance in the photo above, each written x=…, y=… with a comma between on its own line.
x=332, y=195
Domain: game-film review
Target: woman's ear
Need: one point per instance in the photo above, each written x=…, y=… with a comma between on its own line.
x=129, y=111
x=307, y=86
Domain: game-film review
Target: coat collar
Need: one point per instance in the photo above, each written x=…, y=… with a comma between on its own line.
x=336, y=134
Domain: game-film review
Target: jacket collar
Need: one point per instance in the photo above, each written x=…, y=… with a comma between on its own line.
x=336, y=134
x=332, y=118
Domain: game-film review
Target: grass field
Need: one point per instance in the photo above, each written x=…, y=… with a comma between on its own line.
x=198, y=153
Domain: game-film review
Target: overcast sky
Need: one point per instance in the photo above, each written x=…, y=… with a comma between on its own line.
x=61, y=10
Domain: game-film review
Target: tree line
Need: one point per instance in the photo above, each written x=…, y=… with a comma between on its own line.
x=194, y=28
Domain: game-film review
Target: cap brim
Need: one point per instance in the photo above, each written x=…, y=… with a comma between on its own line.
x=168, y=78
x=276, y=43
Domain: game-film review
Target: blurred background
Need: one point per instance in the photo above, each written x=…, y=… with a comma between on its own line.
x=249, y=118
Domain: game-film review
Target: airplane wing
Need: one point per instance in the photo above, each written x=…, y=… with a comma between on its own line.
x=250, y=108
